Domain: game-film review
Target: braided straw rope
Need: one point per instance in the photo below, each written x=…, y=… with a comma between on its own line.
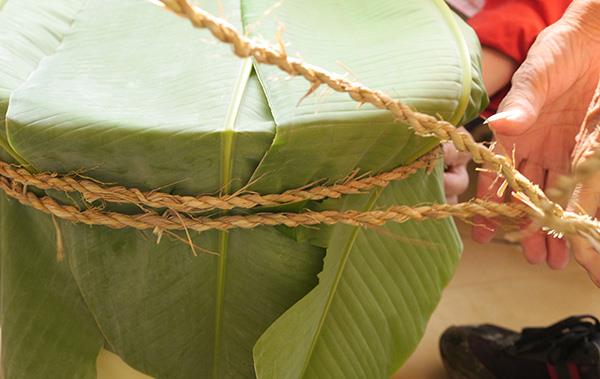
x=582, y=171
x=171, y=221
x=15, y=181
x=547, y=213
x=92, y=190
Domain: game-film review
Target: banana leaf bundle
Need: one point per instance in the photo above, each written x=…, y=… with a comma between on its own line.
x=126, y=93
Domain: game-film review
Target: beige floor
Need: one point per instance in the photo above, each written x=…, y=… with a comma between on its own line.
x=492, y=284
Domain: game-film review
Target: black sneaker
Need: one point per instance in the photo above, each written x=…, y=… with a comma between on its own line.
x=569, y=349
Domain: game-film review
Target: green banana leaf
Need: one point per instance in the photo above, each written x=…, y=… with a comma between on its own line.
x=134, y=95
x=378, y=287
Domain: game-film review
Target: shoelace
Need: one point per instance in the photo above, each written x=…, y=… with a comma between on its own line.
x=559, y=340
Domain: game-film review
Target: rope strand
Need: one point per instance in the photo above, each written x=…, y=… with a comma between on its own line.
x=92, y=190
x=16, y=182
x=547, y=213
x=168, y=221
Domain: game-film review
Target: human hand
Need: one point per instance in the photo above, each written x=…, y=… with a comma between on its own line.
x=456, y=178
x=541, y=115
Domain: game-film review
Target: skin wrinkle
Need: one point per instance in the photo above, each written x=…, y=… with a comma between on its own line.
x=541, y=116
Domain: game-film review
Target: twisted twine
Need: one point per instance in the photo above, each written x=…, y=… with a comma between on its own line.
x=171, y=221
x=581, y=171
x=92, y=190
x=15, y=181
x=547, y=213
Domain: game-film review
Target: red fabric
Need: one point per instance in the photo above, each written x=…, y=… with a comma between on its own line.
x=511, y=26
x=551, y=371
x=573, y=371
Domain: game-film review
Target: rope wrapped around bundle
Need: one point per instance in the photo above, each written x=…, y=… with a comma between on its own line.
x=92, y=190
x=162, y=211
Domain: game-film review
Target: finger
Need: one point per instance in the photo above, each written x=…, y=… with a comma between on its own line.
x=534, y=247
x=449, y=153
x=462, y=158
x=484, y=229
x=521, y=106
x=534, y=244
x=451, y=199
x=456, y=180
x=453, y=157
x=558, y=251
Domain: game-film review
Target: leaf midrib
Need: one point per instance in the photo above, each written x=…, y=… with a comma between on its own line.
x=465, y=58
x=228, y=136
x=466, y=81
x=338, y=277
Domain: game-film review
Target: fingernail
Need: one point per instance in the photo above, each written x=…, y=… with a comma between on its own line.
x=512, y=115
x=496, y=117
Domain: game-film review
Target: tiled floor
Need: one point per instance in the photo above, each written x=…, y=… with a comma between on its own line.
x=492, y=284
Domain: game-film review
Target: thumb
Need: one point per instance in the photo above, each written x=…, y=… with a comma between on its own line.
x=521, y=107
x=513, y=121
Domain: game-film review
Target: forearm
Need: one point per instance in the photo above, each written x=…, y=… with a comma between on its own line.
x=497, y=68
